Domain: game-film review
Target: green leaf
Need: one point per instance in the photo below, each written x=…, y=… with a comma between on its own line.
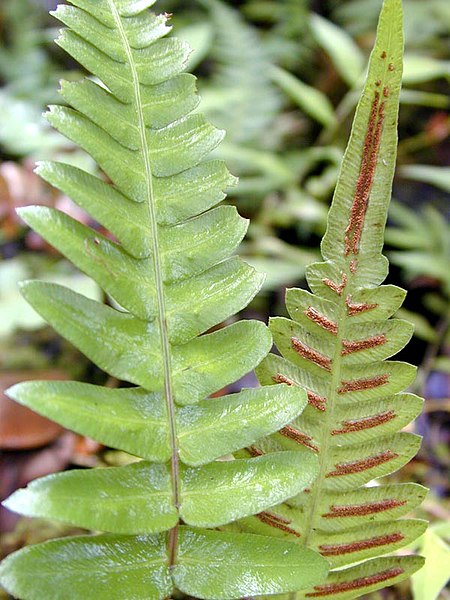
x=128, y=348
x=310, y=100
x=211, y=564
x=131, y=419
x=103, y=567
x=222, y=425
x=234, y=489
x=367, y=577
x=342, y=50
x=342, y=548
x=135, y=420
x=132, y=499
x=429, y=581
x=420, y=69
x=137, y=498
x=220, y=566
x=420, y=98
x=437, y=176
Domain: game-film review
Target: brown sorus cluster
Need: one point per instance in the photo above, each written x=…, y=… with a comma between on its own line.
x=361, y=510
x=337, y=288
x=317, y=401
x=362, y=465
x=350, y=346
x=279, y=378
x=365, y=423
x=298, y=437
x=253, y=451
x=353, y=385
x=310, y=354
x=358, y=545
x=277, y=521
x=321, y=320
x=355, y=308
x=367, y=171
x=356, y=584
x=314, y=399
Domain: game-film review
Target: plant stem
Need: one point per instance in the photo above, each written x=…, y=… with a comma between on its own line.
x=161, y=300
x=325, y=438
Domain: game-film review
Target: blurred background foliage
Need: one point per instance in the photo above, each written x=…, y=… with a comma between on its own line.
x=282, y=77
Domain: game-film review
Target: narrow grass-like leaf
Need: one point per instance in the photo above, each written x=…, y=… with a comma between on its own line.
x=341, y=48
x=307, y=98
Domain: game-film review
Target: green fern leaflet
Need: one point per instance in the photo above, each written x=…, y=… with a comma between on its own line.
x=171, y=279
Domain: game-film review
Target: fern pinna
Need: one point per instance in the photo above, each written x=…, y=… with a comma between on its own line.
x=170, y=279
x=335, y=347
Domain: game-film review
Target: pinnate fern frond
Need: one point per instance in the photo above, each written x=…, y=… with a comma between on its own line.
x=171, y=279
x=335, y=346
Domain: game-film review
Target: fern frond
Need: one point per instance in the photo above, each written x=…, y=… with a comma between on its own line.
x=172, y=279
x=241, y=77
x=335, y=346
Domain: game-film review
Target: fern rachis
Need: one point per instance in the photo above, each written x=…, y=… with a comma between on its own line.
x=172, y=279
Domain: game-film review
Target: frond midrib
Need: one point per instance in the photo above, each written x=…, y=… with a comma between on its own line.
x=159, y=284
x=325, y=439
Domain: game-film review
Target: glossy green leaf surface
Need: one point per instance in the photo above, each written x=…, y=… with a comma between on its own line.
x=220, y=565
x=135, y=420
x=131, y=419
x=132, y=499
x=129, y=348
x=102, y=567
x=232, y=422
x=138, y=498
x=211, y=564
x=234, y=489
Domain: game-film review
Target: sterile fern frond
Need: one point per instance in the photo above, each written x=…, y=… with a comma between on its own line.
x=171, y=280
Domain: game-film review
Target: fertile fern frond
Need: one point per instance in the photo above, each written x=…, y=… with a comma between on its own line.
x=335, y=346
x=171, y=278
